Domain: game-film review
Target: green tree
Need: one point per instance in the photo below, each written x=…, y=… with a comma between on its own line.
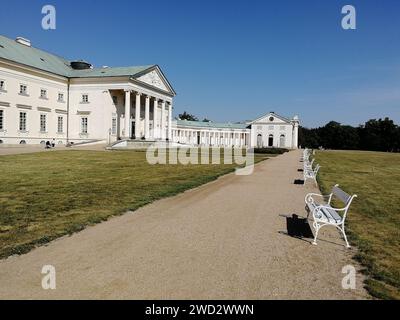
x=374, y=135
x=187, y=116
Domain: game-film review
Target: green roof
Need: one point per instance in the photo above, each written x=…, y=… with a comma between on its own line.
x=39, y=59
x=214, y=125
x=109, y=72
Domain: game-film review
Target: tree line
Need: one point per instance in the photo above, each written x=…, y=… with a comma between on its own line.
x=190, y=117
x=374, y=135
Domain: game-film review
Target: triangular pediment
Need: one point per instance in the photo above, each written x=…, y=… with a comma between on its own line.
x=155, y=78
x=272, y=118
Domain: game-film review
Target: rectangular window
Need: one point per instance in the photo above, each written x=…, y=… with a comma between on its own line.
x=1, y=119
x=282, y=128
x=23, y=89
x=22, y=121
x=2, y=85
x=60, y=124
x=43, y=94
x=43, y=123
x=84, y=125
x=85, y=98
x=114, y=125
x=61, y=97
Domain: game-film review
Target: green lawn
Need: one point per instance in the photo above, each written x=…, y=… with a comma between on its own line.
x=47, y=195
x=374, y=218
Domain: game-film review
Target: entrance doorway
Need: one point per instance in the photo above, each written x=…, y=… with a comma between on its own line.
x=132, y=135
x=259, y=141
x=282, y=141
x=270, y=140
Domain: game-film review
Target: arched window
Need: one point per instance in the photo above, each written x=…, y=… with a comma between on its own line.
x=22, y=142
x=282, y=141
x=259, y=141
x=271, y=140
x=43, y=142
x=1, y=141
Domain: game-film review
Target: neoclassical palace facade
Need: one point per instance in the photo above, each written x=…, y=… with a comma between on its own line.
x=44, y=97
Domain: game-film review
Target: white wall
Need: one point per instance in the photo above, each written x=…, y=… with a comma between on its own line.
x=272, y=129
x=32, y=104
x=277, y=127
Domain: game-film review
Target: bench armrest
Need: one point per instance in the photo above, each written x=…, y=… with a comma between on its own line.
x=309, y=197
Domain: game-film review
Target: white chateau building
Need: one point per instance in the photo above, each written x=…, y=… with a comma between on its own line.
x=45, y=97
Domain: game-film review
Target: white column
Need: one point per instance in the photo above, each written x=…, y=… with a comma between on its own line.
x=155, y=119
x=296, y=136
x=137, y=116
x=127, y=114
x=147, y=118
x=170, y=121
x=163, y=120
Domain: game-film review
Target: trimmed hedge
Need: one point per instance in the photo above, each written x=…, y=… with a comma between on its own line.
x=271, y=150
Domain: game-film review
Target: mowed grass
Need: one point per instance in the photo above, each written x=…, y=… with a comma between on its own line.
x=46, y=195
x=374, y=217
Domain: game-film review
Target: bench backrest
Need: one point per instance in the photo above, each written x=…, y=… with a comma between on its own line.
x=340, y=194
x=343, y=196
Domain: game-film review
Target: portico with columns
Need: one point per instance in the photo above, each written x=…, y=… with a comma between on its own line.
x=145, y=112
x=146, y=117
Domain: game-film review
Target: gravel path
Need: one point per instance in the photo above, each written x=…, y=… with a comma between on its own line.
x=224, y=240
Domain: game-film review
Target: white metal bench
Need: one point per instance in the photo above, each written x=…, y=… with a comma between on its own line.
x=306, y=155
x=310, y=173
x=325, y=214
x=309, y=165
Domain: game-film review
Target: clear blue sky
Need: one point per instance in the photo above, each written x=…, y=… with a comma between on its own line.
x=235, y=60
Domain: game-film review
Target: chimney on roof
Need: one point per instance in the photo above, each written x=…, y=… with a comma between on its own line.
x=25, y=42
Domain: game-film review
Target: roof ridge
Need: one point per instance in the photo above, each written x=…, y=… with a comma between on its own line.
x=37, y=49
x=55, y=64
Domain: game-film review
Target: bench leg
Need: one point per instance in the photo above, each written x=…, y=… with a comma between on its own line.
x=316, y=227
x=344, y=235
